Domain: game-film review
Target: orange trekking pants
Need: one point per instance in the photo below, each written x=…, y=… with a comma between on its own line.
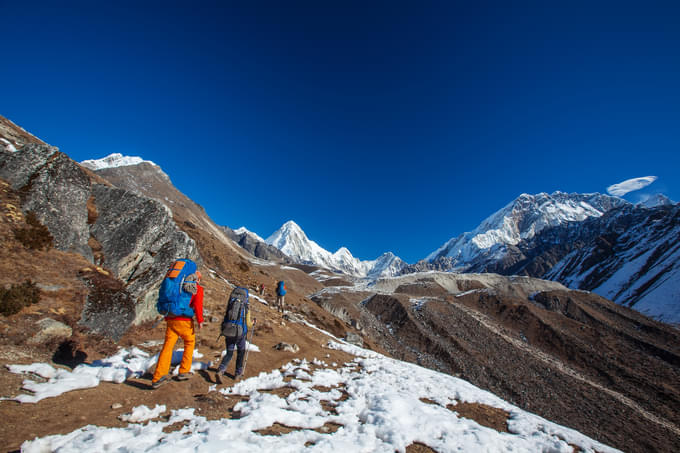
x=176, y=328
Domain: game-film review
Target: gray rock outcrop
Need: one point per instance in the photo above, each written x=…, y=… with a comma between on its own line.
x=56, y=189
x=257, y=248
x=50, y=330
x=135, y=236
x=139, y=239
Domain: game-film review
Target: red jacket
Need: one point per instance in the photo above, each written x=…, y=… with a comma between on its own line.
x=196, y=303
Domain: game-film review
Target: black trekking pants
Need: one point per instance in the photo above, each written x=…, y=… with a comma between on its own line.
x=240, y=344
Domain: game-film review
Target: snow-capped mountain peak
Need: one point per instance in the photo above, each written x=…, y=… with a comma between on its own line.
x=114, y=160
x=522, y=219
x=243, y=230
x=293, y=241
x=656, y=200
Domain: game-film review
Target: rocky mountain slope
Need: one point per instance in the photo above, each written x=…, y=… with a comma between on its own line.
x=256, y=245
x=593, y=242
x=88, y=216
x=567, y=355
x=630, y=255
x=293, y=241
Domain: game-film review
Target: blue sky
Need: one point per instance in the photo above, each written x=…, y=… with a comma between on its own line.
x=374, y=125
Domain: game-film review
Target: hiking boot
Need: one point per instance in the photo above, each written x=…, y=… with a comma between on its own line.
x=163, y=380
x=238, y=375
x=183, y=376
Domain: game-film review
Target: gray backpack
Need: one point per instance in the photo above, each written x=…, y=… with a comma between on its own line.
x=234, y=323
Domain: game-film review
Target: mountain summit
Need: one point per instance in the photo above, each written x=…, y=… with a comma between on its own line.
x=293, y=241
x=520, y=220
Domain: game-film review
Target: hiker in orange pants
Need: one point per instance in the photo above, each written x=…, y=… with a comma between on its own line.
x=179, y=327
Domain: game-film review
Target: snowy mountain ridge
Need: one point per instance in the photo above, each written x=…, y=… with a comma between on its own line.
x=293, y=241
x=243, y=230
x=519, y=220
x=114, y=160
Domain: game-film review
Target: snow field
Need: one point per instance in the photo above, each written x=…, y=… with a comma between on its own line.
x=376, y=404
x=117, y=368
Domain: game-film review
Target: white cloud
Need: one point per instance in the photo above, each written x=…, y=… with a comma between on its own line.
x=630, y=185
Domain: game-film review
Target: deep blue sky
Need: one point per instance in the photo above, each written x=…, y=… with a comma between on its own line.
x=374, y=125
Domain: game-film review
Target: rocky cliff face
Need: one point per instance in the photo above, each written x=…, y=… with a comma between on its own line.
x=132, y=235
x=56, y=189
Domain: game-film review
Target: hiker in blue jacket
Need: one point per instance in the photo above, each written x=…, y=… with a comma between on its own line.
x=280, y=294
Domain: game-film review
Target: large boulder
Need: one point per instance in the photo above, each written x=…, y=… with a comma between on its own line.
x=139, y=239
x=56, y=189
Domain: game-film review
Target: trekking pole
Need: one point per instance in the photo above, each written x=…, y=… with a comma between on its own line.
x=245, y=359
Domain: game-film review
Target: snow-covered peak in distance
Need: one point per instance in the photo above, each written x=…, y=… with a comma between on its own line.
x=243, y=230
x=293, y=241
x=522, y=219
x=112, y=161
x=657, y=200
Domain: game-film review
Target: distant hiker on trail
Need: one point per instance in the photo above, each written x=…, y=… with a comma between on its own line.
x=179, y=299
x=261, y=289
x=235, y=327
x=280, y=294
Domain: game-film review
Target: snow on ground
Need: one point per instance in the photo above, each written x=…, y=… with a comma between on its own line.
x=372, y=404
x=117, y=368
x=258, y=298
x=291, y=268
x=143, y=413
x=214, y=272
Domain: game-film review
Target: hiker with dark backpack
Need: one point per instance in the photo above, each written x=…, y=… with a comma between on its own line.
x=280, y=294
x=180, y=298
x=235, y=327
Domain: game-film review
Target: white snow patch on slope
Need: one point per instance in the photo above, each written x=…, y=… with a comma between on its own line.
x=143, y=413
x=117, y=369
x=8, y=145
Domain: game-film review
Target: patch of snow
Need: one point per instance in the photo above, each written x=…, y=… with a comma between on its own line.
x=117, y=368
x=143, y=413
x=8, y=145
x=258, y=298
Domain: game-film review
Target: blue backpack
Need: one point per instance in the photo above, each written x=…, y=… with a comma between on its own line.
x=281, y=289
x=173, y=299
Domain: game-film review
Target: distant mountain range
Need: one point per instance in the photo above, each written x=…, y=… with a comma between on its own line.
x=625, y=252
x=292, y=241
